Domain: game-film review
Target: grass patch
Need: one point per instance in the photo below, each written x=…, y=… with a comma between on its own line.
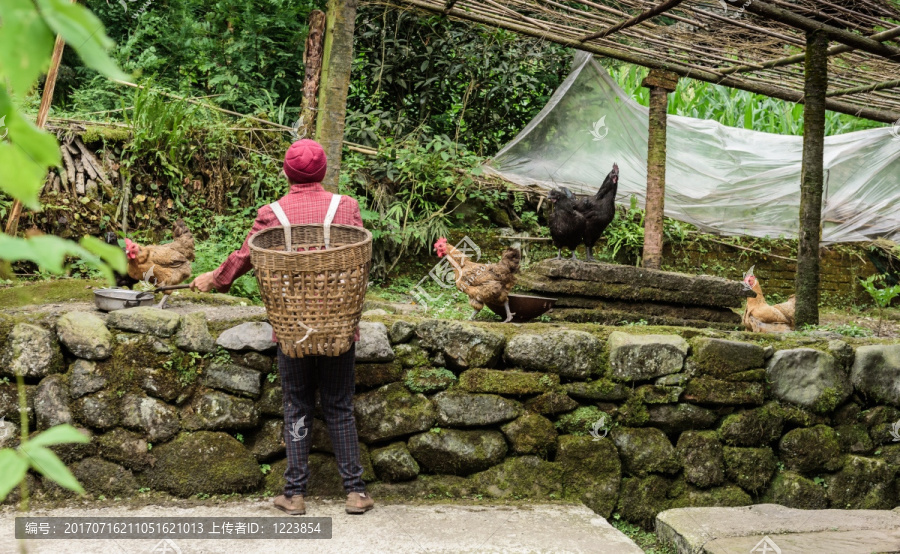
x=48, y=292
x=647, y=540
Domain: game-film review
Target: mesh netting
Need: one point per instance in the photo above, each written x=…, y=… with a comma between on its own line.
x=721, y=179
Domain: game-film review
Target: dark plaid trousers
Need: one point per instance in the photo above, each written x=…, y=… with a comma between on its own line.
x=335, y=379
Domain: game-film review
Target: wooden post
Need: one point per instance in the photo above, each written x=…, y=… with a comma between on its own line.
x=660, y=83
x=312, y=61
x=12, y=224
x=812, y=179
x=337, y=62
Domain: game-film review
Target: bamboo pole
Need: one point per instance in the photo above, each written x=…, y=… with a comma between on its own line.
x=812, y=179
x=668, y=5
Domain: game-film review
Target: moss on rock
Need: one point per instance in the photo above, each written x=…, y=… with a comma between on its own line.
x=641, y=498
x=521, y=477
x=795, y=491
x=809, y=450
x=203, y=462
x=531, y=434
x=98, y=476
x=708, y=390
x=700, y=453
x=854, y=438
x=863, y=484
x=429, y=380
x=514, y=383
x=454, y=452
x=591, y=472
x=749, y=468
x=757, y=427
x=582, y=420
x=645, y=450
x=721, y=358
x=603, y=390
x=370, y=376
x=725, y=496
x=551, y=403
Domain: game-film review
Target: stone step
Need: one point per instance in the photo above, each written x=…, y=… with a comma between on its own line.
x=774, y=529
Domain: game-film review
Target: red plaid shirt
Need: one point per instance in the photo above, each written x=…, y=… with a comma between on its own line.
x=305, y=203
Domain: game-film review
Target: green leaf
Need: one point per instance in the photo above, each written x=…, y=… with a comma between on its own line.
x=49, y=465
x=25, y=44
x=84, y=32
x=58, y=435
x=49, y=252
x=20, y=177
x=12, y=471
x=112, y=255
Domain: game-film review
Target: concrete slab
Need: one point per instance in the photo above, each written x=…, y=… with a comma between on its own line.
x=745, y=530
x=395, y=528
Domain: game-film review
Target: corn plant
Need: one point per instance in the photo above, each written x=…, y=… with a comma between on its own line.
x=881, y=296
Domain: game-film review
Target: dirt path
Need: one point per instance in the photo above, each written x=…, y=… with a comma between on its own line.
x=391, y=528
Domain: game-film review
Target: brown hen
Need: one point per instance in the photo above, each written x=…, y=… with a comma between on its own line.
x=482, y=283
x=760, y=317
x=163, y=264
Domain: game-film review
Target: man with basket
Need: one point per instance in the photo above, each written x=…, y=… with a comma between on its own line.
x=334, y=376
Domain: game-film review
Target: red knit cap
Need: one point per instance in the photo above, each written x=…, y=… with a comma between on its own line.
x=305, y=162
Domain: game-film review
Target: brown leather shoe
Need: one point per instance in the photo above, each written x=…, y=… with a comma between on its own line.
x=293, y=506
x=359, y=503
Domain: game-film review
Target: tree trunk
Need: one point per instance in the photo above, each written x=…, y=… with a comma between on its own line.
x=659, y=83
x=337, y=63
x=812, y=179
x=312, y=61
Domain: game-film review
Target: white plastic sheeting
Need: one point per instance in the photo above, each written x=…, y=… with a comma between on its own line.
x=721, y=179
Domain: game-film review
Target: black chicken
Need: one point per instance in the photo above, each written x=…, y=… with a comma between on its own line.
x=122, y=280
x=599, y=210
x=567, y=225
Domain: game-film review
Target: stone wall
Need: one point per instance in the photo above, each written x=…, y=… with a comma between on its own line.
x=628, y=420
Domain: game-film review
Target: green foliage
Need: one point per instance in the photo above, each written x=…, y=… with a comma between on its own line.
x=846, y=329
x=478, y=85
x=731, y=107
x=408, y=192
x=187, y=366
x=265, y=469
x=34, y=454
x=647, y=540
x=882, y=296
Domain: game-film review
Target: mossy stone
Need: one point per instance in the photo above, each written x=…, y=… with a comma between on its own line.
x=271, y=401
x=145, y=320
x=570, y=354
x=591, y=472
x=675, y=418
x=750, y=468
x=126, y=448
x=757, y=427
x=550, y=403
x=267, y=443
x=863, y=484
x=811, y=449
x=100, y=411
x=513, y=383
x=603, y=390
x=521, y=477
x=455, y=452
x=194, y=336
x=401, y=332
x=427, y=487
x=854, y=438
x=644, y=357
x=645, y=450
x=85, y=335
x=531, y=434
x=30, y=351
x=461, y=409
x=582, y=420
x=700, y=453
x=51, y=398
x=99, y=476
x=795, y=491
x=324, y=478
x=641, y=498
x=708, y=390
x=394, y=463
x=210, y=410
x=880, y=421
x=724, y=496
x=392, y=411
x=370, y=376
x=411, y=355
x=203, y=462
x=720, y=357
x=656, y=394
x=429, y=380
x=463, y=345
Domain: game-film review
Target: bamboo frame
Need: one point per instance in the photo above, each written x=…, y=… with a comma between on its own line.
x=742, y=47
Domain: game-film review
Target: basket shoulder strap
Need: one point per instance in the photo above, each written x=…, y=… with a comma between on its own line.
x=285, y=224
x=329, y=217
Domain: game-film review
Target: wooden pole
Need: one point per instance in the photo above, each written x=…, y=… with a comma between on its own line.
x=335, y=84
x=312, y=61
x=660, y=83
x=812, y=179
x=12, y=224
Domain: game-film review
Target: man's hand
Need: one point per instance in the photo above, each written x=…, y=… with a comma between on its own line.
x=204, y=282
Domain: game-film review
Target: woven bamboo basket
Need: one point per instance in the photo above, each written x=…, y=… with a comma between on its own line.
x=314, y=297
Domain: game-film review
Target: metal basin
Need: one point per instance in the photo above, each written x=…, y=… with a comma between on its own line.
x=525, y=307
x=109, y=300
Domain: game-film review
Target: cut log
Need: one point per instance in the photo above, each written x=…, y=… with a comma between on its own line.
x=79, y=184
x=91, y=162
x=69, y=163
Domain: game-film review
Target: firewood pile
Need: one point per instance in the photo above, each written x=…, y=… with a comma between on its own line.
x=82, y=173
